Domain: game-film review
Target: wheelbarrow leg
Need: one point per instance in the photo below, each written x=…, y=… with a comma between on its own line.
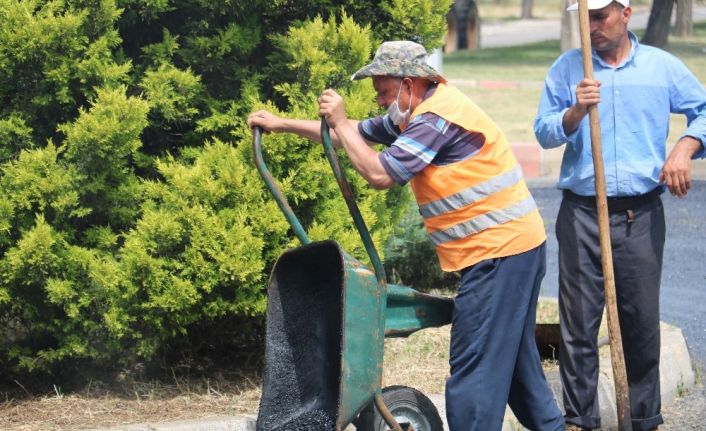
x=389, y=419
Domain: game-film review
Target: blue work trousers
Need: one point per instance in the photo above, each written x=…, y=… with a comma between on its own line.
x=637, y=238
x=494, y=358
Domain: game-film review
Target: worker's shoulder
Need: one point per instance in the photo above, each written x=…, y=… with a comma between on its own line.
x=658, y=62
x=652, y=53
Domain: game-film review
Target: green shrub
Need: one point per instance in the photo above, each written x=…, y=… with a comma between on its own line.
x=131, y=213
x=411, y=256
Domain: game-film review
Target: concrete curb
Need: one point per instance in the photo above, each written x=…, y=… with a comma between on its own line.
x=676, y=375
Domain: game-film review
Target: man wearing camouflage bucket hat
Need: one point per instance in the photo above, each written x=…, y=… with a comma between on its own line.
x=401, y=59
x=478, y=213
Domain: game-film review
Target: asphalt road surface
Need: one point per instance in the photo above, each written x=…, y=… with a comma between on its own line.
x=683, y=294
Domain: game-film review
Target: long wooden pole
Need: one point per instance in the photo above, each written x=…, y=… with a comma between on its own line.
x=622, y=400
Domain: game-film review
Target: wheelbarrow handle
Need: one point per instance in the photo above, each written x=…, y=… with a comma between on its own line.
x=350, y=201
x=274, y=189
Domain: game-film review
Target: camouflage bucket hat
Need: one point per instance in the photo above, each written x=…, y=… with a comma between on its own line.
x=400, y=58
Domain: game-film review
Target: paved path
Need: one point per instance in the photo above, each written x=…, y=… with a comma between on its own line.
x=518, y=32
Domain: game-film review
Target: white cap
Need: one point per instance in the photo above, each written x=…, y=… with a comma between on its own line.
x=598, y=4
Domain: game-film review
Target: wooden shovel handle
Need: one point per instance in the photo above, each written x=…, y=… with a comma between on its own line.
x=616, y=343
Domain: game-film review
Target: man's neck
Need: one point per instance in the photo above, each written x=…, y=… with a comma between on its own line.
x=422, y=92
x=614, y=57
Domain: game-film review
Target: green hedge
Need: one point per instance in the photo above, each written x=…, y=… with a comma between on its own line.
x=130, y=209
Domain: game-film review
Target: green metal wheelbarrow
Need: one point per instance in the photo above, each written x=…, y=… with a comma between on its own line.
x=327, y=318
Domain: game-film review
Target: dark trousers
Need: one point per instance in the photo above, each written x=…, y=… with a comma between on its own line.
x=637, y=238
x=494, y=359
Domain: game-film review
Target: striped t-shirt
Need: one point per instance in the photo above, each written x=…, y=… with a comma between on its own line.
x=428, y=139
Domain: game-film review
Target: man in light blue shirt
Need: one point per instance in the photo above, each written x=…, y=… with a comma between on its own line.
x=636, y=87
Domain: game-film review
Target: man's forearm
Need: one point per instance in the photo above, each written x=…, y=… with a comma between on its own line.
x=365, y=160
x=572, y=118
x=311, y=129
x=690, y=146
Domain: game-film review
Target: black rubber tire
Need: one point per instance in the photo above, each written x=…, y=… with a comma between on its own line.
x=407, y=405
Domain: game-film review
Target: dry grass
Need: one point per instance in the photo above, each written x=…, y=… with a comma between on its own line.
x=547, y=311
x=420, y=361
x=133, y=402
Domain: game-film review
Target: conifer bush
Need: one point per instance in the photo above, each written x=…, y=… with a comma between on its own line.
x=131, y=213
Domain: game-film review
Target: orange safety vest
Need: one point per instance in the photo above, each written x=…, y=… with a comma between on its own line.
x=478, y=208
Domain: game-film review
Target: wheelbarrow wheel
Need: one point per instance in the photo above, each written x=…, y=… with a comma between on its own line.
x=407, y=405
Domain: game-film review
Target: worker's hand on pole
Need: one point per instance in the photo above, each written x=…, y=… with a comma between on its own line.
x=676, y=172
x=266, y=120
x=332, y=107
x=588, y=93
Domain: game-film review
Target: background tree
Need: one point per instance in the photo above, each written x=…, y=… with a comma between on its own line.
x=657, y=32
x=526, y=9
x=684, y=26
x=466, y=25
x=570, y=35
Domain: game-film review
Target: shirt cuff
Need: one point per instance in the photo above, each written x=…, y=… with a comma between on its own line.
x=700, y=154
x=561, y=135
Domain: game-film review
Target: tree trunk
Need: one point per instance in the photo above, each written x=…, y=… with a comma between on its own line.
x=473, y=26
x=451, y=38
x=570, y=37
x=467, y=24
x=685, y=24
x=526, y=9
x=461, y=9
x=658, y=24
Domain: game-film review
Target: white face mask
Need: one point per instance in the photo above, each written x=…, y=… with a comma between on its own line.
x=398, y=117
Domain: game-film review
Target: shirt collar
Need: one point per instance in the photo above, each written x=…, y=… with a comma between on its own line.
x=634, y=44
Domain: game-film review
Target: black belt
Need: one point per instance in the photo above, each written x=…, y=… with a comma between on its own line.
x=615, y=205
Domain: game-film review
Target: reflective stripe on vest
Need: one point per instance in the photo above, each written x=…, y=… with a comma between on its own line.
x=471, y=194
x=483, y=222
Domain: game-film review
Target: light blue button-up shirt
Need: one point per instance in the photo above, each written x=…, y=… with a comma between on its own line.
x=636, y=100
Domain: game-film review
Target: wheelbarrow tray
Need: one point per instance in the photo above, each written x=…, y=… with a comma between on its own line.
x=324, y=340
